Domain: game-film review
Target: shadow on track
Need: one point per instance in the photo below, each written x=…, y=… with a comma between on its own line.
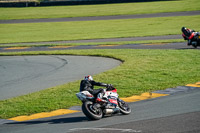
x=53, y=121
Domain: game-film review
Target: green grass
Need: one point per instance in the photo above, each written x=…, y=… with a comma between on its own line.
x=142, y=71
x=37, y=32
x=99, y=10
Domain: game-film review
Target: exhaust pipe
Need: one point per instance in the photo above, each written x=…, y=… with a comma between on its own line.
x=108, y=111
x=111, y=111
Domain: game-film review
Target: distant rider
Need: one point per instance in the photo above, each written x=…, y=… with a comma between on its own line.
x=88, y=85
x=189, y=35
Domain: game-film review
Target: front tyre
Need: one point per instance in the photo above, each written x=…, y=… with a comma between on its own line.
x=90, y=112
x=124, y=107
x=194, y=44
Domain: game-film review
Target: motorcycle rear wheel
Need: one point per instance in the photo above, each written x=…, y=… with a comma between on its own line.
x=124, y=107
x=90, y=112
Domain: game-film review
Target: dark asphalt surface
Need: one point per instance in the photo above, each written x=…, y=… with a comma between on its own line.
x=183, y=123
x=171, y=14
x=181, y=45
x=21, y=75
x=179, y=112
x=165, y=37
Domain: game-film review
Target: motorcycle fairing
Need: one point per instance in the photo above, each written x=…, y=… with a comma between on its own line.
x=84, y=95
x=113, y=101
x=111, y=94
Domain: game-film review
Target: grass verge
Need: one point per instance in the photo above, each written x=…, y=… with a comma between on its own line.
x=142, y=71
x=99, y=10
x=38, y=32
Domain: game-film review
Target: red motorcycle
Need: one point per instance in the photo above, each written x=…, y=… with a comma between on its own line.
x=191, y=36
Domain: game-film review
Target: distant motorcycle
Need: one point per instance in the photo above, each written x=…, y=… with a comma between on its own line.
x=95, y=110
x=191, y=36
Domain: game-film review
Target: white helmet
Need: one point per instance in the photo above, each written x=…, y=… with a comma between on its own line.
x=89, y=77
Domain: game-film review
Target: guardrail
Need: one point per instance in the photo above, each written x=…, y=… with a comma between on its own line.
x=31, y=3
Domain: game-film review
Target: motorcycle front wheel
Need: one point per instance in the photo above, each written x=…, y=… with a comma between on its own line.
x=124, y=107
x=90, y=112
x=194, y=44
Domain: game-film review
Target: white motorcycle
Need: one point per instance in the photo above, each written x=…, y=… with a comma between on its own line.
x=95, y=110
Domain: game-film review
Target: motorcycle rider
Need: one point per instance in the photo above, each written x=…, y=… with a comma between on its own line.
x=189, y=35
x=88, y=85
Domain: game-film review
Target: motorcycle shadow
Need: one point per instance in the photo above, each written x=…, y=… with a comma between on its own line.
x=189, y=48
x=53, y=121
x=59, y=120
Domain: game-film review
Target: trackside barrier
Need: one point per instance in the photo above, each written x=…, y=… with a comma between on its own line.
x=66, y=2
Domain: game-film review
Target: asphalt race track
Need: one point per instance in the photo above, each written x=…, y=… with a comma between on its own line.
x=26, y=74
x=181, y=45
x=165, y=37
x=179, y=112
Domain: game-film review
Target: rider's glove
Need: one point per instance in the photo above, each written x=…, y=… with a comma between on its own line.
x=110, y=86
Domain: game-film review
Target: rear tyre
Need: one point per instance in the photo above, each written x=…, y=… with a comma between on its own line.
x=124, y=107
x=90, y=112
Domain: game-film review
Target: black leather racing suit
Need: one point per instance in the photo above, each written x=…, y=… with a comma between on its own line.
x=88, y=85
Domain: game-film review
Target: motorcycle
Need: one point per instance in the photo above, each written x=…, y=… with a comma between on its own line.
x=195, y=41
x=193, y=38
x=95, y=110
